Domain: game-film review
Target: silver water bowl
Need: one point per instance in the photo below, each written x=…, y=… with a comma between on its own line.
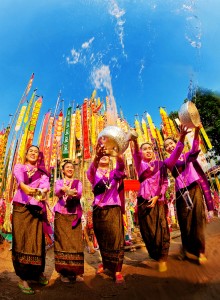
x=114, y=139
x=189, y=115
x=39, y=195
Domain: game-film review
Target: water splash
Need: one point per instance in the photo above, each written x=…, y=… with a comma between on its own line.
x=118, y=13
x=101, y=79
x=193, y=24
x=79, y=56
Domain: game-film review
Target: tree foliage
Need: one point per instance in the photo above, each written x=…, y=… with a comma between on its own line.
x=208, y=105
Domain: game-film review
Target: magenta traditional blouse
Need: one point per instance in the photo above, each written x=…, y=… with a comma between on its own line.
x=189, y=174
x=150, y=186
x=111, y=195
x=42, y=182
x=61, y=205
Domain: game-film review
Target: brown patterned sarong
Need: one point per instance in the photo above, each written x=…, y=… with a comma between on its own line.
x=154, y=229
x=28, y=242
x=68, y=245
x=109, y=231
x=192, y=222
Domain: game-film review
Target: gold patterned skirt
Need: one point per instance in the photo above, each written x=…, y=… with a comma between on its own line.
x=109, y=231
x=192, y=221
x=154, y=229
x=68, y=246
x=28, y=242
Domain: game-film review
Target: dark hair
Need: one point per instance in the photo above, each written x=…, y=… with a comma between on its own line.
x=170, y=138
x=67, y=162
x=32, y=146
x=147, y=143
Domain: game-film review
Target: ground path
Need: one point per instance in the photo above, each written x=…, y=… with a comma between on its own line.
x=183, y=280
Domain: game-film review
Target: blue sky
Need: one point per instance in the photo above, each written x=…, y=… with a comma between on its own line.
x=143, y=52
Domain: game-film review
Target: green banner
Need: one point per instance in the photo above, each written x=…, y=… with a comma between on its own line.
x=66, y=139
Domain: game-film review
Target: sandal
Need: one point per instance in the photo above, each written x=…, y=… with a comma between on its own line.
x=26, y=290
x=79, y=278
x=202, y=259
x=43, y=280
x=64, y=279
x=119, y=278
x=100, y=269
x=162, y=266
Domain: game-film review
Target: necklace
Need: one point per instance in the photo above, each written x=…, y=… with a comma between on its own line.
x=30, y=172
x=68, y=184
x=105, y=177
x=107, y=183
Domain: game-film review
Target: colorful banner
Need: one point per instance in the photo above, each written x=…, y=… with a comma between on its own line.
x=48, y=143
x=33, y=121
x=26, y=118
x=73, y=138
x=58, y=128
x=85, y=127
x=151, y=125
x=20, y=118
x=44, y=130
x=27, y=90
x=166, y=129
x=66, y=138
x=207, y=140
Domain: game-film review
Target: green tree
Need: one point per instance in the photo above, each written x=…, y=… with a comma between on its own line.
x=208, y=105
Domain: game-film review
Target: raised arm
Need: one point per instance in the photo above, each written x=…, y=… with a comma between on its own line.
x=136, y=153
x=171, y=161
x=100, y=151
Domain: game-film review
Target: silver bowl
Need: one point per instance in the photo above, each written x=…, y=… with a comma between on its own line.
x=115, y=140
x=39, y=195
x=189, y=115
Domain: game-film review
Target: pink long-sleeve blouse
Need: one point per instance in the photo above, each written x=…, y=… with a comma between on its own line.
x=150, y=186
x=61, y=203
x=189, y=174
x=42, y=182
x=111, y=195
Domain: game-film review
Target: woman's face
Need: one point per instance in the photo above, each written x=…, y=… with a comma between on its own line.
x=169, y=145
x=32, y=155
x=147, y=152
x=68, y=170
x=105, y=160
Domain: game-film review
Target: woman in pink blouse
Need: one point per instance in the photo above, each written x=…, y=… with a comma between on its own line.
x=108, y=206
x=151, y=202
x=68, y=244
x=29, y=221
x=191, y=184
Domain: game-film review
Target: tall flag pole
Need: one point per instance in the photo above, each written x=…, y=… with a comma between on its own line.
x=23, y=98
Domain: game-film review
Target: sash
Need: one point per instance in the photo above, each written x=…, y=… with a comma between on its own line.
x=148, y=173
x=203, y=181
x=73, y=205
x=34, y=209
x=100, y=188
x=181, y=164
x=158, y=166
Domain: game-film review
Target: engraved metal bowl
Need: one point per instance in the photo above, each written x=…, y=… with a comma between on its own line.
x=189, y=115
x=114, y=139
x=39, y=195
